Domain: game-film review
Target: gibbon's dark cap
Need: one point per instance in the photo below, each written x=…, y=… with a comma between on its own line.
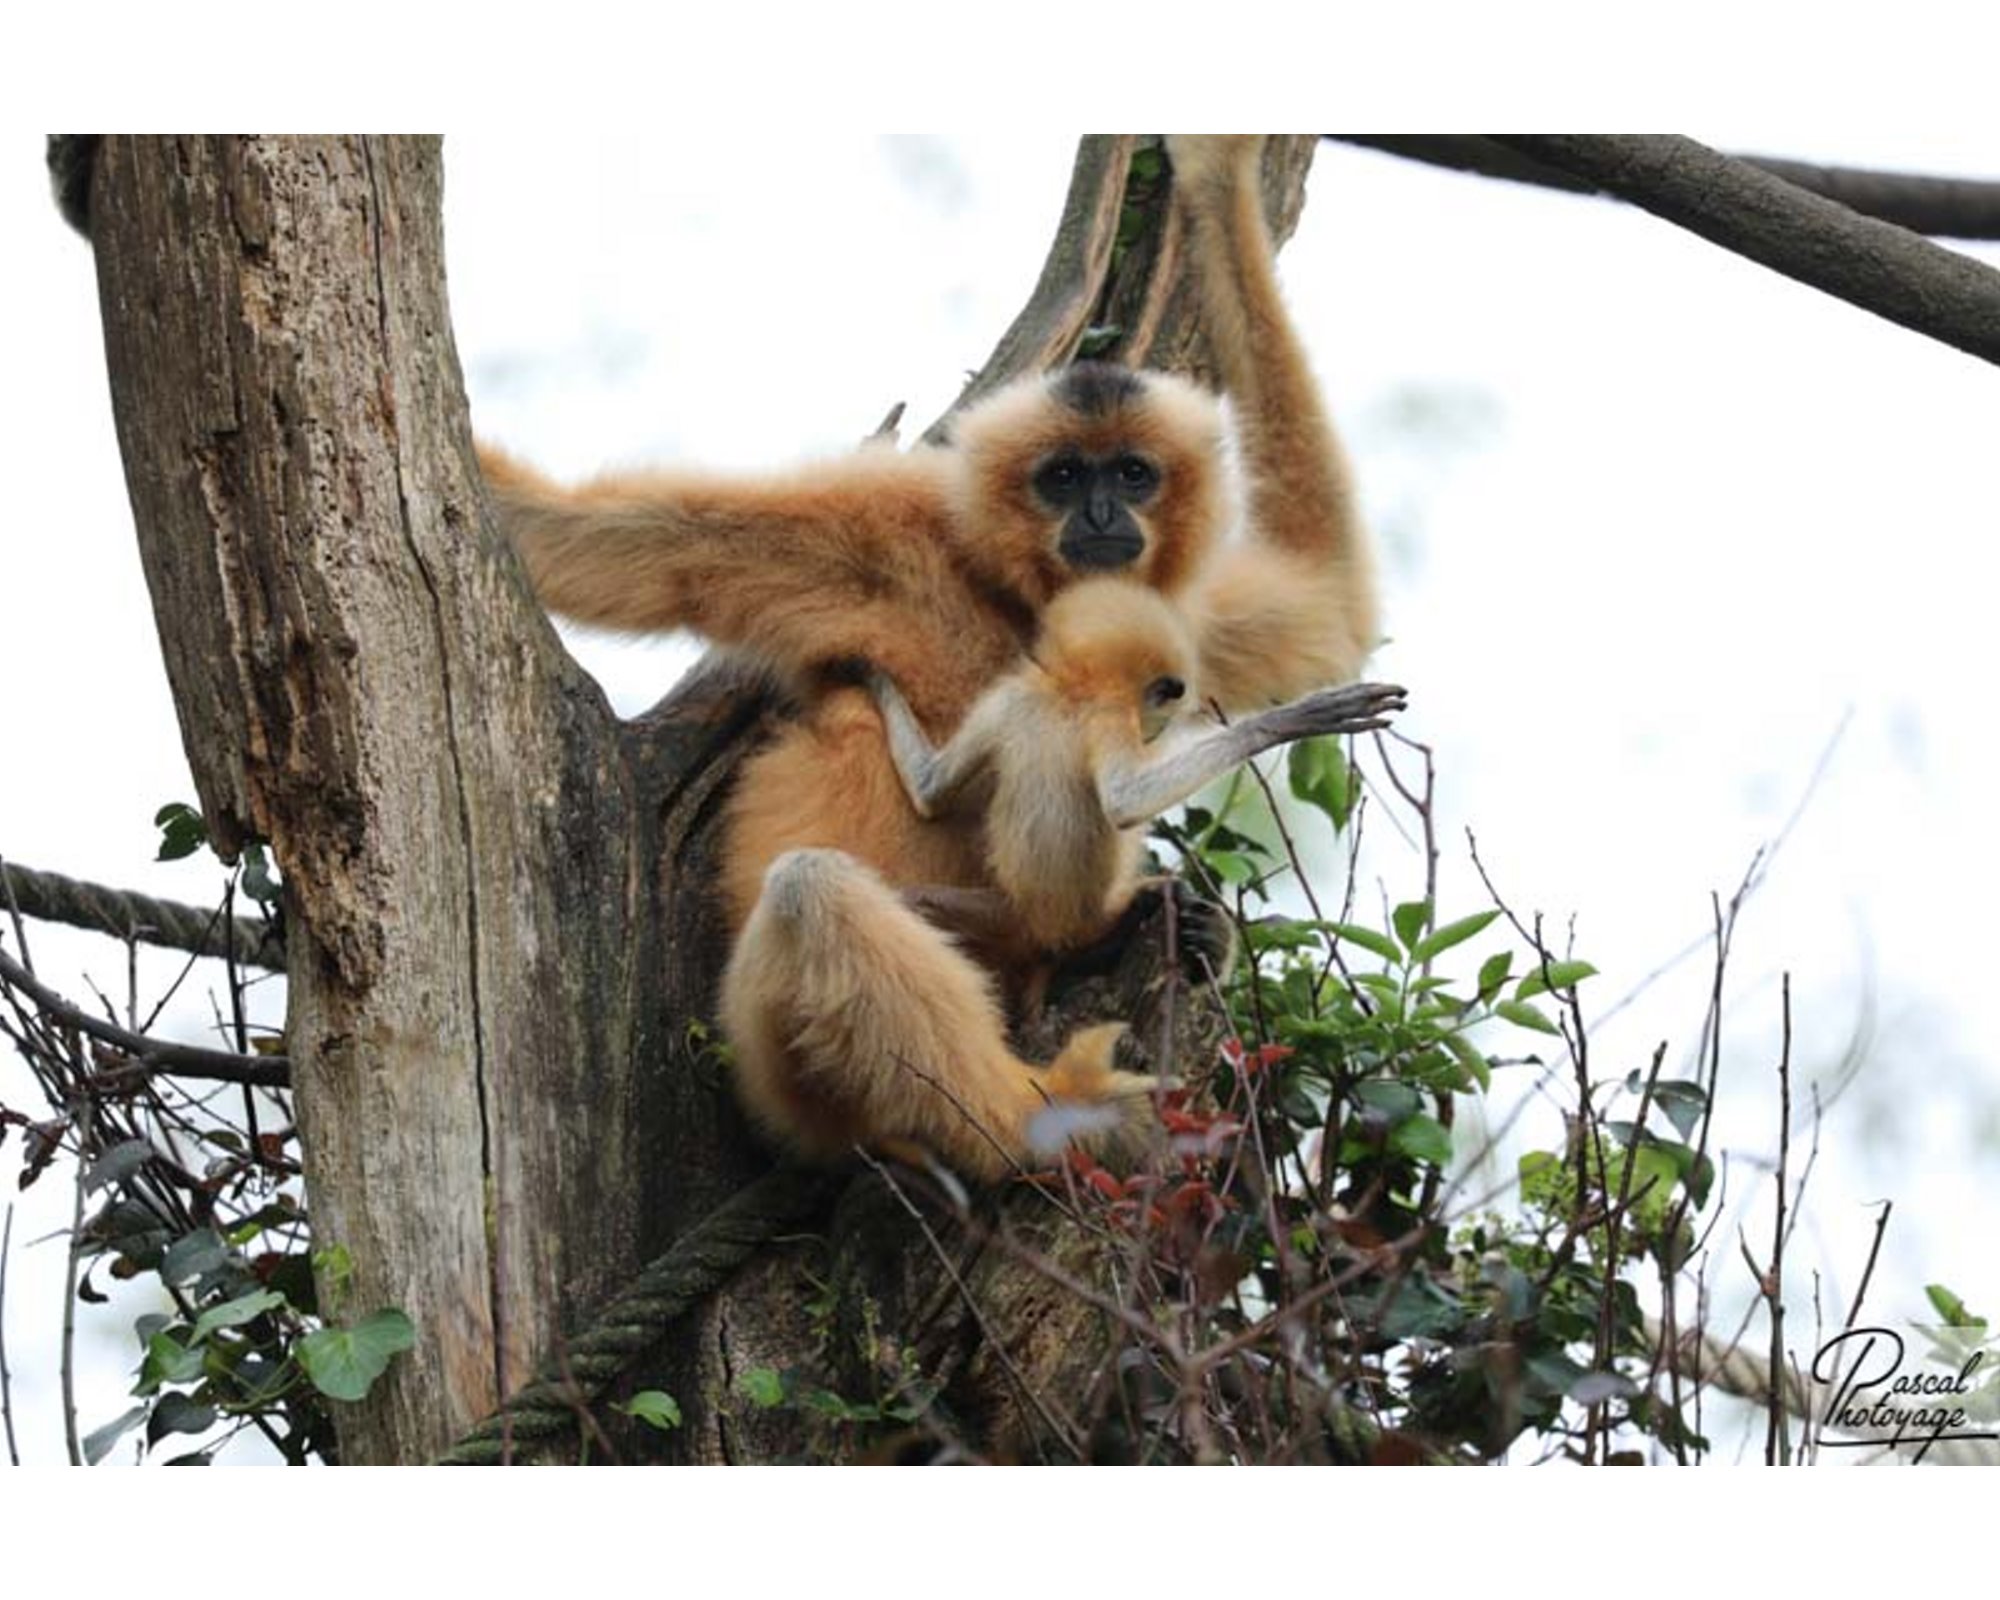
x=1093, y=388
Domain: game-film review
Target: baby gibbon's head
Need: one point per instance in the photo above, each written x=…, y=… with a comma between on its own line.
x=1093, y=469
x=1115, y=645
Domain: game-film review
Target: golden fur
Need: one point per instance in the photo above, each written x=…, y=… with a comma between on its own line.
x=936, y=566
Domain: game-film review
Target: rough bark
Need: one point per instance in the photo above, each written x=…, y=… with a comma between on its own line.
x=497, y=926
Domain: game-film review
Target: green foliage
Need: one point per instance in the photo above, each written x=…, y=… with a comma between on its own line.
x=1311, y=1220
x=198, y=1193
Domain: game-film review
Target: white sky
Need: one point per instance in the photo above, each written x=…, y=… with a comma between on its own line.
x=1674, y=521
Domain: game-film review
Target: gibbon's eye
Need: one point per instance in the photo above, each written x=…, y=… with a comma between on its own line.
x=1060, y=480
x=1136, y=475
x=1164, y=691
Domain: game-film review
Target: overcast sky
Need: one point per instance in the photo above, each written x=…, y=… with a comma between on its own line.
x=1657, y=526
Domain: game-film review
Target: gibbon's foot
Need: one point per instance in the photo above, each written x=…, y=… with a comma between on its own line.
x=1204, y=933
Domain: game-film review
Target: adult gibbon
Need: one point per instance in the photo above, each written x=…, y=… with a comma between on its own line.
x=936, y=566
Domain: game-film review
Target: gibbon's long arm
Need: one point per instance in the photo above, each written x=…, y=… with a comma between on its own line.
x=848, y=558
x=1136, y=794
x=1294, y=605
x=935, y=778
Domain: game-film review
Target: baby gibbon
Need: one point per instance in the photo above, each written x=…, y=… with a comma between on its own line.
x=1067, y=757
x=938, y=566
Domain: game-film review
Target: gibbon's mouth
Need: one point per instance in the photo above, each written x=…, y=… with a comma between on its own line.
x=1099, y=552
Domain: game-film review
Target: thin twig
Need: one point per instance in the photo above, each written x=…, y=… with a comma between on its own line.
x=152, y=1055
x=6, y=1377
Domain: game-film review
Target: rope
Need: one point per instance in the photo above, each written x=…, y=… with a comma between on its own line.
x=50, y=897
x=697, y=1264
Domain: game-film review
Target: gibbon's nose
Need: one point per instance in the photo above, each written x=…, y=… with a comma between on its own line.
x=1100, y=509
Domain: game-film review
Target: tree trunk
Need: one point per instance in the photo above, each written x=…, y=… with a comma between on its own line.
x=497, y=930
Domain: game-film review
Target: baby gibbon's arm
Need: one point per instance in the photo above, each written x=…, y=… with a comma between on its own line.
x=934, y=777
x=1134, y=794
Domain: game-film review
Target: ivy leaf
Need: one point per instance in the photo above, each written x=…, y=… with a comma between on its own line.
x=178, y=1413
x=234, y=1313
x=98, y=1445
x=258, y=883
x=1683, y=1103
x=344, y=1363
x=167, y=1361
x=117, y=1164
x=192, y=1255
x=182, y=831
x=763, y=1387
x=654, y=1407
x=1451, y=935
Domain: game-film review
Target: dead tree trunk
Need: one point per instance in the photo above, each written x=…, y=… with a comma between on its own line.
x=497, y=926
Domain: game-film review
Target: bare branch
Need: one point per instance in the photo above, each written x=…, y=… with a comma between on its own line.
x=1950, y=208
x=1875, y=265
x=157, y=1055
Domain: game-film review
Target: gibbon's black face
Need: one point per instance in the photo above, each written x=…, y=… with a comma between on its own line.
x=1095, y=497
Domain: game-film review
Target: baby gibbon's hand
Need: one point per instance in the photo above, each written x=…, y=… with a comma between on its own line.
x=1352, y=708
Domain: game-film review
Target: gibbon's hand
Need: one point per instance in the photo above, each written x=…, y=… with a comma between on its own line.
x=1352, y=708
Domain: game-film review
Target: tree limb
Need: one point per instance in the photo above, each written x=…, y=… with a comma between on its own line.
x=159, y=1055
x=1875, y=265
x=1951, y=208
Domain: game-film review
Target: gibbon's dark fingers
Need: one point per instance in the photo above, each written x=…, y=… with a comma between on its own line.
x=1134, y=793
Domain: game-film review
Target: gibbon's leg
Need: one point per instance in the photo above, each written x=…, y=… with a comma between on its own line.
x=855, y=1022
x=1295, y=607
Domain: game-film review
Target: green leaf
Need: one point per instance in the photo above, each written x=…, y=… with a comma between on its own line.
x=1950, y=1308
x=763, y=1387
x=1559, y=975
x=1369, y=940
x=98, y=1445
x=182, y=831
x=1493, y=974
x=177, y=1413
x=1683, y=1103
x=1422, y=1138
x=192, y=1255
x=654, y=1407
x=1319, y=775
x=344, y=1363
x=117, y=1164
x=1524, y=1016
x=258, y=883
x=1451, y=935
x=1392, y=1101
x=1411, y=918
x=234, y=1313
x=1229, y=866
x=1470, y=1058
x=167, y=1361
